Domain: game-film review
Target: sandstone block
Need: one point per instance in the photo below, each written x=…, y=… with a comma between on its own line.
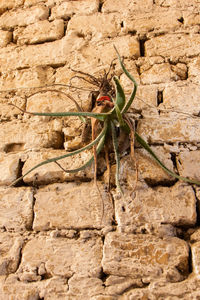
x=28, y=78
x=16, y=212
x=177, y=3
x=196, y=258
x=61, y=257
x=175, y=205
x=188, y=164
x=21, y=17
x=118, y=6
x=173, y=46
x=67, y=9
x=5, y=38
x=20, y=136
x=163, y=73
x=72, y=205
x=40, y=32
x=9, y=167
x=96, y=26
x=10, y=248
x=144, y=257
x=55, y=53
x=9, y=4
x=169, y=129
x=181, y=98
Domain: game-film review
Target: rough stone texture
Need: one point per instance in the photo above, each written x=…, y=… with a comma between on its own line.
x=145, y=257
x=59, y=237
x=42, y=31
x=72, y=206
x=16, y=209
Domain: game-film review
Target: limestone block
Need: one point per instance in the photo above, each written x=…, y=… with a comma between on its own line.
x=84, y=287
x=50, y=173
x=28, y=78
x=23, y=17
x=118, y=6
x=9, y=4
x=96, y=26
x=186, y=289
x=40, y=32
x=173, y=46
x=195, y=248
x=9, y=167
x=175, y=205
x=55, y=53
x=195, y=236
x=177, y=3
x=156, y=21
x=5, y=38
x=116, y=285
x=16, y=208
x=72, y=205
x=181, y=98
x=61, y=257
x=20, y=136
x=144, y=257
x=169, y=129
x=163, y=73
x=10, y=248
x=188, y=164
x=67, y=9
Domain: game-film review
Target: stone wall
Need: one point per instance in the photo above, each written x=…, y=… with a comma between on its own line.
x=55, y=243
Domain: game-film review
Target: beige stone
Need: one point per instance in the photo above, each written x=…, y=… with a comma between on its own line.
x=188, y=164
x=96, y=26
x=9, y=4
x=163, y=73
x=27, y=78
x=196, y=258
x=10, y=247
x=177, y=3
x=5, y=38
x=61, y=257
x=40, y=32
x=169, y=129
x=119, y=6
x=173, y=46
x=67, y=9
x=21, y=17
x=72, y=205
x=181, y=98
x=175, y=205
x=144, y=257
x=20, y=136
x=16, y=209
x=9, y=166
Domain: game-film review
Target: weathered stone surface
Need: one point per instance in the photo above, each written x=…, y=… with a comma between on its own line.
x=59, y=257
x=187, y=289
x=116, y=285
x=20, y=136
x=181, y=97
x=173, y=46
x=154, y=21
x=69, y=8
x=9, y=4
x=163, y=73
x=21, y=17
x=28, y=78
x=119, y=6
x=195, y=248
x=147, y=205
x=5, y=38
x=9, y=166
x=178, y=3
x=105, y=25
x=40, y=32
x=145, y=257
x=188, y=164
x=72, y=206
x=51, y=172
x=10, y=247
x=161, y=129
x=16, y=209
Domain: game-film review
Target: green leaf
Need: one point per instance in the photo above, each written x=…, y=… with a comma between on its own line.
x=120, y=96
x=142, y=142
